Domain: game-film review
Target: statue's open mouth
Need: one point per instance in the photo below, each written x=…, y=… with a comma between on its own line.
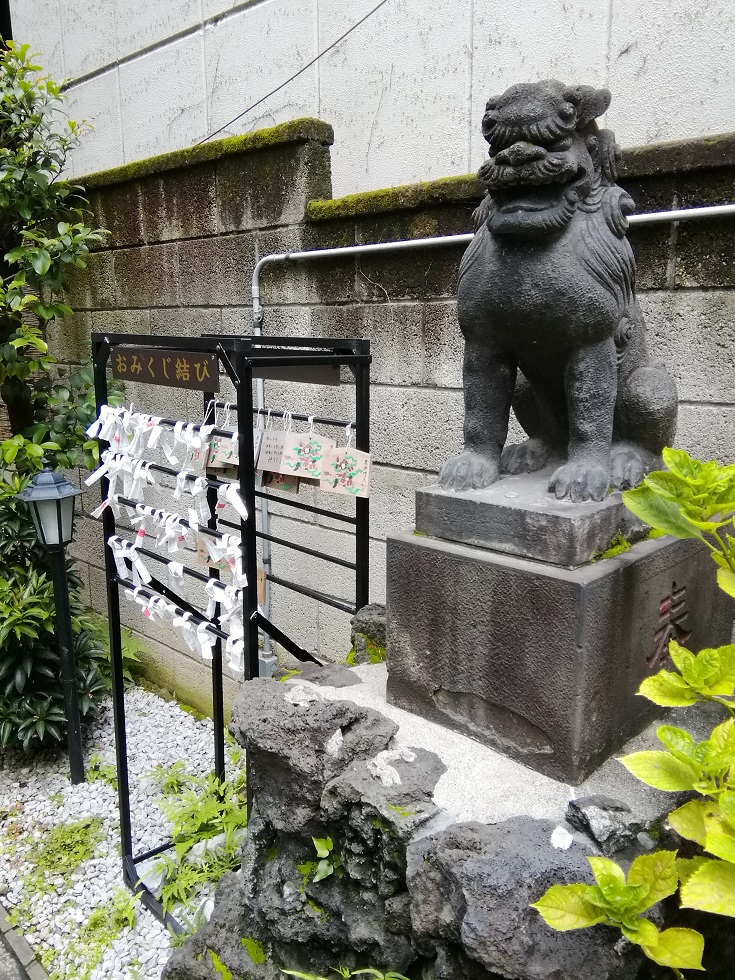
x=530, y=199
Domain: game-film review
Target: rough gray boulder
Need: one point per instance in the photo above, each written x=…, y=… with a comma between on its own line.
x=609, y=823
x=452, y=904
x=368, y=634
x=471, y=887
x=295, y=749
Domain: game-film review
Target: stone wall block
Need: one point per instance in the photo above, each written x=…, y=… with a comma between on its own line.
x=235, y=259
x=93, y=287
x=704, y=252
x=314, y=282
x=693, y=333
x=121, y=321
x=427, y=222
x=68, y=338
x=278, y=321
x=199, y=272
x=707, y=431
x=394, y=332
x=185, y=321
x=416, y=274
x=443, y=346
x=272, y=186
x=146, y=277
x=119, y=209
x=179, y=204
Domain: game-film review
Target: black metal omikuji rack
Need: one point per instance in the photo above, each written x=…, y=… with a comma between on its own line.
x=316, y=361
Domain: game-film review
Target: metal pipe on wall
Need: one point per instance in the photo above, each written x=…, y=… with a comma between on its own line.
x=653, y=217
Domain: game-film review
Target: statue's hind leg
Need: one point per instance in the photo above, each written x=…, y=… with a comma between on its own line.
x=645, y=422
x=541, y=417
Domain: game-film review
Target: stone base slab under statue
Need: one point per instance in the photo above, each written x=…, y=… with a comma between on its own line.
x=536, y=660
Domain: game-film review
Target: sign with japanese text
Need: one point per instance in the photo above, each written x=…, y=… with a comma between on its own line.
x=174, y=368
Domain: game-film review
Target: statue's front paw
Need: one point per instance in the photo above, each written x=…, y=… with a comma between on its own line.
x=580, y=481
x=469, y=471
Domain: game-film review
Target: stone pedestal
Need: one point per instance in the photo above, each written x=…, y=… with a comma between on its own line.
x=518, y=516
x=536, y=660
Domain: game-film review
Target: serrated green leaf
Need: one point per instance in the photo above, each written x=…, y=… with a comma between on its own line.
x=669, y=690
x=679, y=743
x=688, y=820
x=711, y=888
x=605, y=867
x=566, y=907
x=658, y=871
x=726, y=803
x=726, y=580
x=643, y=933
x=660, y=770
x=662, y=514
x=686, y=867
x=719, y=839
x=679, y=949
x=681, y=464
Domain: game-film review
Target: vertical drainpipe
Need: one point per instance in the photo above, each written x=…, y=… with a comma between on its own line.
x=268, y=661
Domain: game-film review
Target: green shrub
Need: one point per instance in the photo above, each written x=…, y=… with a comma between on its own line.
x=691, y=499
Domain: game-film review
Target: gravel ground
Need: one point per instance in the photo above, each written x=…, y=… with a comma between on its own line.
x=37, y=792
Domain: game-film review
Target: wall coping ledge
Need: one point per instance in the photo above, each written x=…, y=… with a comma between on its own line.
x=640, y=161
x=304, y=130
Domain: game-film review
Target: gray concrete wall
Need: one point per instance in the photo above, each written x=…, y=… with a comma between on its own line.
x=186, y=230
x=405, y=91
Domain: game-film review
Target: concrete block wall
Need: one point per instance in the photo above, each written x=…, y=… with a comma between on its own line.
x=186, y=230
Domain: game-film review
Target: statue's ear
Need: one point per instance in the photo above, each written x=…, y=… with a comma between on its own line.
x=590, y=102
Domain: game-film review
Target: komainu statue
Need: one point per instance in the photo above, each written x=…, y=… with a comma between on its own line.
x=547, y=288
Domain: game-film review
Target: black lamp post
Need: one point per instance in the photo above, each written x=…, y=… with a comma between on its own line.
x=51, y=500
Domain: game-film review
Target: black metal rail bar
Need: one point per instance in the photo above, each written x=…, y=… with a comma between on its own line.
x=137, y=858
x=295, y=360
x=278, y=413
x=345, y=518
x=314, y=594
x=332, y=559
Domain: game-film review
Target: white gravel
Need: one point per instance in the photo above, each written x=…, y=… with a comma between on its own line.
x=158, y=732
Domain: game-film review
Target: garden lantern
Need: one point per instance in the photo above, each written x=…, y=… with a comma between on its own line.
x=50, y=498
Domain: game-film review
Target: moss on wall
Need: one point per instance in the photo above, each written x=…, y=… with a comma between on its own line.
x=405, y=197
x=295, y=131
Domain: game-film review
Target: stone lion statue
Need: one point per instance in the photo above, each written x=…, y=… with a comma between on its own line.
x=547, y=288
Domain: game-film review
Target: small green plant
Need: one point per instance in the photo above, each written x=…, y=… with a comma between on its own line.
x=613, y=901
x=201, y=808
x=329, y=863
x=57, y=852
x=618, y=546
x=98, y=769
x=375, y=651
x=254, y=950
x=170, y=780
x=341, y=971
x=690, y=500
x=103, y=927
